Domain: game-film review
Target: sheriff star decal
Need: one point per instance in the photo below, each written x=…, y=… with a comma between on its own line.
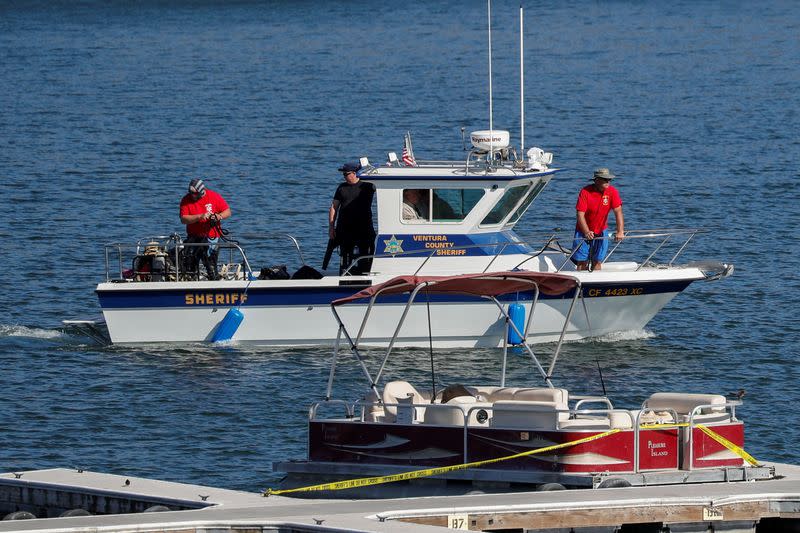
x=393, y=246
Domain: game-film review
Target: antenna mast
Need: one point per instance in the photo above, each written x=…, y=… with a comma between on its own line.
x=521, y=85
x=491, y=128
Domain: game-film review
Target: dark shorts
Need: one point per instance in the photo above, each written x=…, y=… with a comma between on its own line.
x=598, y=248
x=199, y=251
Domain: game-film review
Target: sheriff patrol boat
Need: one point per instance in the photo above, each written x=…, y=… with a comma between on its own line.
x=464, y=224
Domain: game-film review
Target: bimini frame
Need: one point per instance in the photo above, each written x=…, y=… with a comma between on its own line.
x=488, y=286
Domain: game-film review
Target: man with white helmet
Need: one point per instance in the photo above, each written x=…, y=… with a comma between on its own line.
x=202, y=210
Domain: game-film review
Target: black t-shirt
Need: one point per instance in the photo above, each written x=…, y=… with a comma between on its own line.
x=355, y=208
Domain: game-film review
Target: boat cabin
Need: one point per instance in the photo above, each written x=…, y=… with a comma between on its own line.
x=453, y=213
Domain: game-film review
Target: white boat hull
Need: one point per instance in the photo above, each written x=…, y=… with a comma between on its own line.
x=300, y=315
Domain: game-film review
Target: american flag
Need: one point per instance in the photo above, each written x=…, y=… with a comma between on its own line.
x=408, y=152
x=408, y=159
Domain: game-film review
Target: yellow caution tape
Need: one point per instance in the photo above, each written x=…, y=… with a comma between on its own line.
x=415, y=474
x=427, y=472
x=716, y=436
x=728, y=444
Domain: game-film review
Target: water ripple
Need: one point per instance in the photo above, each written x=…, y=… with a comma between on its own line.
x=107, y=109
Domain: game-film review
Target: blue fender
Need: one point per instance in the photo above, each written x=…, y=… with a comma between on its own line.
x=516, y=312
x=228, y=326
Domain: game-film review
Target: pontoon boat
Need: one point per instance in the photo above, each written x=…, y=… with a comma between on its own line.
x=495, y=435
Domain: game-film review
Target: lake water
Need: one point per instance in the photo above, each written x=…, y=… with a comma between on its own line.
x=108, y=109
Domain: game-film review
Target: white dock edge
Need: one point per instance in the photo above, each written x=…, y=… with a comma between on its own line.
x=739, y=504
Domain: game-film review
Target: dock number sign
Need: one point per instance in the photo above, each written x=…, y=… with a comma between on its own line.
x=458, y=521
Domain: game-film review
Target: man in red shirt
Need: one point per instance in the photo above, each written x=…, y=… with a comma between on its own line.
x=591, y=231
x=202, y=210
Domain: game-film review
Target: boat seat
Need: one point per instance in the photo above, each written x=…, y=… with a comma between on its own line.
x=452, y=413
x=526, y=415
x=373, y=410
x=617, y=419
x=494, y=394
x=401, y=393
x=444, y=414
x=543, y=394
x=455, y=390
x=653, y=417
x=536, y=394
x=481, y=390
x=622, y=420
x=599, y=423
x=684, y=403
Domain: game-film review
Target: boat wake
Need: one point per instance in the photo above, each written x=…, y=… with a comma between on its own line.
x=229, y=343
x=33, y=333
x=622, y=336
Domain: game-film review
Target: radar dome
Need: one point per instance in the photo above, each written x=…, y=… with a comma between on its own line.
x=486, y=140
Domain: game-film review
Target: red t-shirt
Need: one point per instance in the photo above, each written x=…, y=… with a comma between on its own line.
x=596, y=206
x=211, y=202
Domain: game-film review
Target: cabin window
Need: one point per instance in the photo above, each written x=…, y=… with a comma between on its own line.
x=530, y=197
x=439, y=205
x=507, y=202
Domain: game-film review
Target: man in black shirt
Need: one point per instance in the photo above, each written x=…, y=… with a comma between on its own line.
x=350, y=220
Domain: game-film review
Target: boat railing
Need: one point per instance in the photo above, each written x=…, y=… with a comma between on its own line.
x=634, y=419
x=685, y=424
x=637, y=428
x=120, y=258
x=551, y=245
x=349, y=408
x=426, y=255
x=663, y=237
x=666, y=418
x=276, y=236
x=164, y=246
x=471, y=165
x=729, y=406
x=592, y=399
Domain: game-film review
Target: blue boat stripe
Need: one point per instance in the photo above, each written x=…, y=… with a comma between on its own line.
x=316, y=296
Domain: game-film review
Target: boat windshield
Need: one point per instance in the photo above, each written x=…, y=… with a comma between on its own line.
x=523, y=206
x=507, y=202
x=515, y=199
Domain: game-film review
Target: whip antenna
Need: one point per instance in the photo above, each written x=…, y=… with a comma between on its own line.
x=600, y=370
x=521, y=85
x=491, y=128
x=430, y=344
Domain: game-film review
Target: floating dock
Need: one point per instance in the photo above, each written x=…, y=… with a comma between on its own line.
x=119, y=503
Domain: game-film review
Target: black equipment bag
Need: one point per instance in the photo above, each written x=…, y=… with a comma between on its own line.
x=274, y=272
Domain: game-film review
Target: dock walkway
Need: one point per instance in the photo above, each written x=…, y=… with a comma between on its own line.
x=772, y=505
